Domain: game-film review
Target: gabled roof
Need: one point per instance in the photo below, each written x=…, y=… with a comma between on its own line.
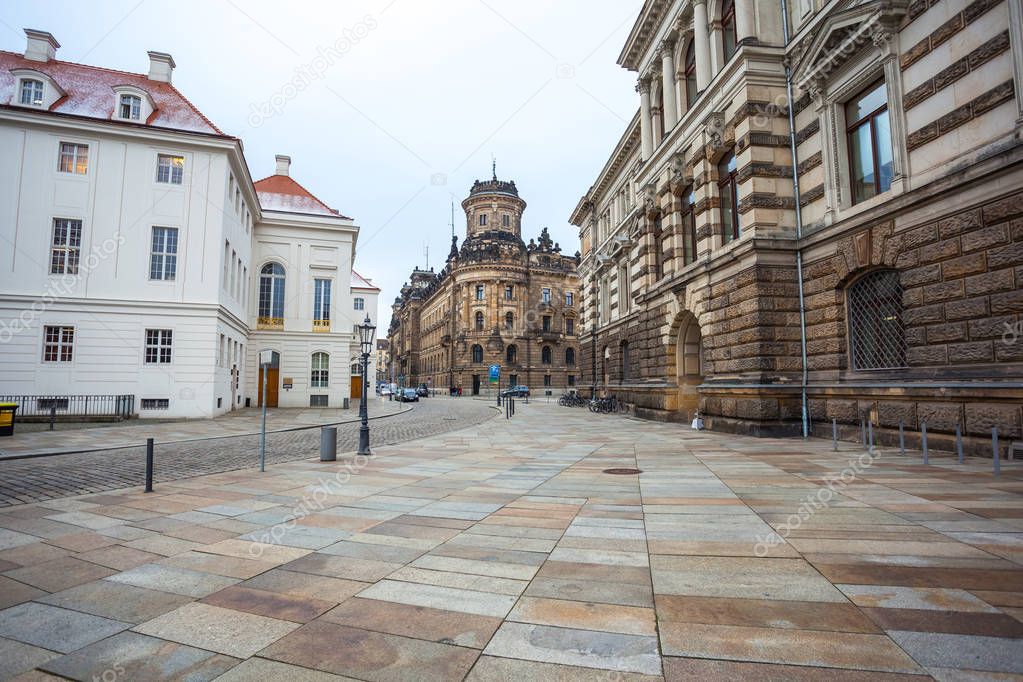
x=281, y=193
x=360, y=282
x=89, y=93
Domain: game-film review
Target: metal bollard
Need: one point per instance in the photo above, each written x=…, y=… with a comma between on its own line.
x=923, y=438
x=902, y=439
x=328, y=444
x=959, y=442
x=863, y=432
x=149, y=465
x=834, y=435
x=994, y=451
x=53, y=416
x=870, y=435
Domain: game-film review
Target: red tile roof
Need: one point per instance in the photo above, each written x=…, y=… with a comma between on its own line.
x=90, y=93
x=281, y=193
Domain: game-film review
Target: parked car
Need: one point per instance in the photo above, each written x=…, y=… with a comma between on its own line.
x=423, y=391
x=516, y=392
x=384, y=390
x=407, y=395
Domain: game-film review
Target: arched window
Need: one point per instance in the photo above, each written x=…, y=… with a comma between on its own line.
x=692, y=90
x=624, y=360
x=271, y=292
x=511, y=354
x=570, y=356
x=479, y=321
x=876, y=329
x=728, y=189
x=728, y=35
x=320, y=377
x=546, y=356
x=689, y=227
x=509, y=320
x=477, y=353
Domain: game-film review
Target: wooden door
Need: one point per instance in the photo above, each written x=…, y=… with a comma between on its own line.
x=475, y=384
x=356, y=387
x=272, y=385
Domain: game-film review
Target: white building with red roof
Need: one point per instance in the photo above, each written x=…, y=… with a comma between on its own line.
x=143, y=261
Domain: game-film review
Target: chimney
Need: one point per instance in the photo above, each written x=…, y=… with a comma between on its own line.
x=161, y=65
x=42, y=46
x=283, y=165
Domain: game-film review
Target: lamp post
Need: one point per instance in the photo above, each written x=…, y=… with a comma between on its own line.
x=366, y=331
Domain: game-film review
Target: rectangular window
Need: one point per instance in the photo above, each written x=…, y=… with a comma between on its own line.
x=66, y=246
x=158, y=347
x=31, y=93
x=479, y=292
x=571, y=380
x=131, y=107
x=506, y=220
x=483, y=219
x=870, y=143
x=58, y=344
x=321, y=301
x=155, y=403
x=513, y=379
x=170, y=169
x=624, y=297
x=546, y=323
x=318, y=400
x=569, y=326
x=728, y=188
x=545, y=296
x=569, y=298
x=509, y=292
x=163, y=259
x=74, y=158
x=546, y=379
x=360, y=304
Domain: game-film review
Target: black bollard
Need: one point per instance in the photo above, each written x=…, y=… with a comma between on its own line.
x=994, y=451
x=149, y=465
x=870, y=436
x=902, y=439
x=959, y=442
x=923, y=438
x=834, y=434
x=53, y=416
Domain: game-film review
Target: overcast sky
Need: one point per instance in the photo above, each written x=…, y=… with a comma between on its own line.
x=405, y=102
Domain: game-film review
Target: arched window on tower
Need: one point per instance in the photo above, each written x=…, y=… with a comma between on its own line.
x=509, y=320
x=479, y=321
x=877, y=331
x=570, y=356
x=477, y=353
x=546, y=356
x=511, y=354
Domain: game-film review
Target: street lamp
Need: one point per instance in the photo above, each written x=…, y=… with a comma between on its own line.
x=366, y=332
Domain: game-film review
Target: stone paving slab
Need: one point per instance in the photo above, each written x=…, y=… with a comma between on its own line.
x=503, y=552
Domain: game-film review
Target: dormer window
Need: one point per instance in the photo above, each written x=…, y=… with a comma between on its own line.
x=31, y=92
x=131, y=107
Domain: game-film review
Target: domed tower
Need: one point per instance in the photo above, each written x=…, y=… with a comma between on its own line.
x=493, y=206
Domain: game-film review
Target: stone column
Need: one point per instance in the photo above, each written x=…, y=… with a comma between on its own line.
x=646, y=132
x=701, y=32
x=745, y=22
x=668, y=84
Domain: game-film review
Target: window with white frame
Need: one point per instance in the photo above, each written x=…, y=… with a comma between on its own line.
x=131, y=107
x=360, y=304
x=66, y=246
x=569, y=298
x=74, y=158
x=58, y=343
x=545, y=296
x=158, y=346
x=31, y=94
x=163, y=258
x=271, y=291
x=321, y=301
x=170, y=169
x=483, y=219
x=320, y=377
x=506, y=220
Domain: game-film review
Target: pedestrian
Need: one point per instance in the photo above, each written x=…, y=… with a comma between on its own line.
x=459, y=391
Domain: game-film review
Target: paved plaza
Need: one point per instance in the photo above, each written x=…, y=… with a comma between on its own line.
x=507, y=551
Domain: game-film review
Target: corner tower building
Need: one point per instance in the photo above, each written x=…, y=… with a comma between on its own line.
x=497, y=301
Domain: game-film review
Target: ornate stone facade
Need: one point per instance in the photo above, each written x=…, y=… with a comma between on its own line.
x=497, y=301
x=745, y=257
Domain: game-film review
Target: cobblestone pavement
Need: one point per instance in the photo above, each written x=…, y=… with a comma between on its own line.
x=44, y=478
x=521, y=550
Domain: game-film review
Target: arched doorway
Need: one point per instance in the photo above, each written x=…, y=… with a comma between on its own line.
x=689, y=364
x=273, y=381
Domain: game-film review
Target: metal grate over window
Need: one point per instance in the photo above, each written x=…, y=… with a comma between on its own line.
x=878, y=334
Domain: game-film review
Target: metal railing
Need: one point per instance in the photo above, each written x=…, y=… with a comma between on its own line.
x=42, y=407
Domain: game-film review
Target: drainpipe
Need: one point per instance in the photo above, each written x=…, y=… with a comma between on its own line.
x=799, y=220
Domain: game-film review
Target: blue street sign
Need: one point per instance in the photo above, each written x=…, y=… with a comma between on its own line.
x=495, y=374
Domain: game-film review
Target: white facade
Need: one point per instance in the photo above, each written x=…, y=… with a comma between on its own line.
x=139, y=241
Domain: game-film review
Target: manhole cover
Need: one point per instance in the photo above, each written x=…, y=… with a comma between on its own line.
x=623, y=472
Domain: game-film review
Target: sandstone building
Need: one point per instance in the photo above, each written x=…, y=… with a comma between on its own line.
x=496, y=301
x=814, y=215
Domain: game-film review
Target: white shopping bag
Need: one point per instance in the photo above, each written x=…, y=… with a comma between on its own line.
x=698, y=422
